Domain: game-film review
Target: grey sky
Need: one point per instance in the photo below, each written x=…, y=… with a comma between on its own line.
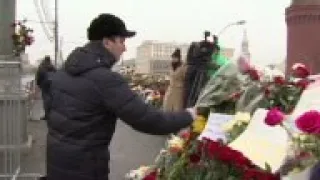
x=171, y=20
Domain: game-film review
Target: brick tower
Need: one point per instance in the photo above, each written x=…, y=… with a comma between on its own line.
x=303, y=34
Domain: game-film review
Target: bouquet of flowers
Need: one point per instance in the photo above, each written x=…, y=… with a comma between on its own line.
x=305, y=151
x=285, y=93
x=22, y=37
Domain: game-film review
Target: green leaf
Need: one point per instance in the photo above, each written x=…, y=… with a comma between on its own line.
x=268, y=167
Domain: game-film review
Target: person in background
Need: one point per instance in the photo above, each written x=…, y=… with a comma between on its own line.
x=43, y=79
x=88, y=98
x=173, y=100
x=198, y=61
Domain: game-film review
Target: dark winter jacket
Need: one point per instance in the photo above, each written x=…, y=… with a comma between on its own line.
x=87, y=99
x=43, y=76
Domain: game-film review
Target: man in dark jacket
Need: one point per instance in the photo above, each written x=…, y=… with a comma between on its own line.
x=43, y=80
x=87, y=99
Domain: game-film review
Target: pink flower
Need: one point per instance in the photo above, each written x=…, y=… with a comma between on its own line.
x=300, y=70
x=274, y=117
x=309, y=122
x=244, y=65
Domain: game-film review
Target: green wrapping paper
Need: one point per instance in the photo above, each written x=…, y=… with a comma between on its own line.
x=219, y=60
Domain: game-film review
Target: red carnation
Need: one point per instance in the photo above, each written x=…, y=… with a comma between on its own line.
x=303, y=83
x=254, y=74
x=151, y=176
x=300, y=70
x=194, y=158
x=279, y=80
x=309, y=122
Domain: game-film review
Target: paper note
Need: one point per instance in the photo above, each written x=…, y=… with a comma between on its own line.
x=213, y=129
x=262, y=143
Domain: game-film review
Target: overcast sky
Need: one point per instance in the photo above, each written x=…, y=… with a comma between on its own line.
x=169, y=20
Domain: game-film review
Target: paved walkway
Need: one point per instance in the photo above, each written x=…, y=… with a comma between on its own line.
x=129, y=149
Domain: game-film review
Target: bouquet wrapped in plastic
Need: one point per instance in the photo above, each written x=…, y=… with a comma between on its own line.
x=224, y=91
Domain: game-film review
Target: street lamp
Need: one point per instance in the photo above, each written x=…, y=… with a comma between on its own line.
x=238, y=23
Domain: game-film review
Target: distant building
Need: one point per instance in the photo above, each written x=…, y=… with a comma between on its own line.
x=153, y=57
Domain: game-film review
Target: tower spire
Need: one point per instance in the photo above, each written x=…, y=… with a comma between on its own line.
x=245, y=45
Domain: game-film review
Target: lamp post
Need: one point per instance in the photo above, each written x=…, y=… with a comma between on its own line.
x=238, y=23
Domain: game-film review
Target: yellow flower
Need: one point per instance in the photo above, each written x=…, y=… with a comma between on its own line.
x=242, y=117
x=199, y=124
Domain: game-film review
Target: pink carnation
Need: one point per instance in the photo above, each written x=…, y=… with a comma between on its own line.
x=274, y=117
x=309, y=122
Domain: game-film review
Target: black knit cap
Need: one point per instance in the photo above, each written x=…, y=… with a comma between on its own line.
x=107, y=25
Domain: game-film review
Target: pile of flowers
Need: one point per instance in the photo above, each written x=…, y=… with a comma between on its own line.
x=285, y=93
x=305, y=151
x=187, y=158
x=22, y=37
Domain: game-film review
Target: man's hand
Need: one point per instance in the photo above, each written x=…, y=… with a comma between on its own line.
x=193, y=112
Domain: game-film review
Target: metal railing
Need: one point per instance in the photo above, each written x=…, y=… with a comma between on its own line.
x=14, y=113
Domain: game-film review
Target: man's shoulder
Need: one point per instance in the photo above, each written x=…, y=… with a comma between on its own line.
x=105, y=76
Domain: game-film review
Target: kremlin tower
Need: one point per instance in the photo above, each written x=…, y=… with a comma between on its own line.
x=303, y=34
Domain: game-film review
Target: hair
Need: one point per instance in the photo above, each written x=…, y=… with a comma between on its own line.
x=176, y=54
x=190, y=53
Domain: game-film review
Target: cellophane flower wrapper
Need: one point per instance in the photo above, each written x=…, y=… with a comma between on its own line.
x=228, y=81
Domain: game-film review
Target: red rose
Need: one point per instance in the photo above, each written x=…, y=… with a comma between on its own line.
x=251, y=174
x=279, y=80
x=226, y=154
x=274, y=117
x=194, y=158
x=151, y=176
x=241, y=161
x=185, y=134
x=212, y=148
x=309, y=122
x=303, y=83
x=267, y=91
x=254, y=74
x=300, y=70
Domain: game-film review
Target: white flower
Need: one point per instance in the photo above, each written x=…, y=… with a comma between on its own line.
x=175, y=142
x=137, y=174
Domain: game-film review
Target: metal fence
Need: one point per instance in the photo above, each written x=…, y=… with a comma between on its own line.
x=13, y=122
